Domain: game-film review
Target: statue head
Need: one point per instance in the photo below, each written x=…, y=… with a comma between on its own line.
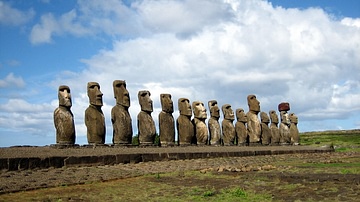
x=145, y=101
x=228, y=112
x=274, y=117
x=240, y=115
x=64, y=96
x=214, y=109
x=199, y=110
x=264, y=117
x=94, y=94
x=121, y=94
x=293, y=118
x=184, y=107
x=166, y=103
x=284, y=117
x=254, y=104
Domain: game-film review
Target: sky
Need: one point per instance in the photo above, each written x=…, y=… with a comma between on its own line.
x=304, y=52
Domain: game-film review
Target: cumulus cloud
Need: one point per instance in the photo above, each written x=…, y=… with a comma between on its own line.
x=205, y=50
x=12, y=16
x=12, y=81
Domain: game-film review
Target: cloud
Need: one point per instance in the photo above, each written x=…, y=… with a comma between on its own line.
x=14, y=17
x=12, y=81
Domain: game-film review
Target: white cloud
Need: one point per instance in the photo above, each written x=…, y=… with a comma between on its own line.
x=12, y=81
x=215, y=50
x=12, y=16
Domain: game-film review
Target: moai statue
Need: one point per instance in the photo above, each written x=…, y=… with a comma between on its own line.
x=201, y=131
x=294, y=131
x=213, y=123
x=94, y=117
x=265, y=130
x=283, y=108
x=166, y=121
x=64, y=119
x=145, y=123
x=120, y=117
x=253, y=123
x=227, y=126
x=275, y=133
x=240, y=127
x=185, y=128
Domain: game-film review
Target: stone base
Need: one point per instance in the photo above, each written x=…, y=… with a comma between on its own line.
x=95, y=145
x=255, y=144
x=244, y=144
x=167, y=144
x=284, y=143
x=63, y=146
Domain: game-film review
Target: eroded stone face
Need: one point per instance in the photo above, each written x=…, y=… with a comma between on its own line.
x=145, y=101
x=146, y=124
x=121, y=94
x=184, y=125
x=94, y=94
x=294, y=131
x=94, y=117
x=264, y=118
x=253, y=122
x=184, y=107
x=213, y=123
x=274, y=117
x=166, y=103
x=199, y=110
x=228, y=112
x=240, y=115
x=64, y=96
x=265, y=130
x=63, y=118
x=166, y=121
x=120, y=117
x=254, y=104
x=275, y=132
x=228, y=128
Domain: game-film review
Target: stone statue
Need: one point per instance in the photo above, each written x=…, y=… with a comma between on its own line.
x=120, y=117
x=228, y=129
x=213, y=123
x=240, y=127
x=145, y=123
x=275, y=133
x=265, y=130
x=253, y=123
x=94, y=117
x=64, y=119
x=285, y=123
x=294, y=131
x=166, y=121
x=185, y=128
x=201, y=131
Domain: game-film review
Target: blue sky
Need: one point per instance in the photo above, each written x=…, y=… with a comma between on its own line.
x=304, y=52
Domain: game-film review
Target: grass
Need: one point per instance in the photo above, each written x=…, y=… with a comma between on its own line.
x=211, y=186
x=343, y=141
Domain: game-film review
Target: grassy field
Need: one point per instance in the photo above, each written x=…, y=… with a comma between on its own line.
x=331, y=177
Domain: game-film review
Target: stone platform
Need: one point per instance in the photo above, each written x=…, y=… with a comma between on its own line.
x=28, y=157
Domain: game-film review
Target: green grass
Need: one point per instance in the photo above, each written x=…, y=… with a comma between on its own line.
x=343, y=141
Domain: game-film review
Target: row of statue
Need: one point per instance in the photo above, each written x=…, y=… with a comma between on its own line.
x=248, y=129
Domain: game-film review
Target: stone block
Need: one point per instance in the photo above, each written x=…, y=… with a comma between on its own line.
x=122, y=158
x=4, y=164
x=56, y=162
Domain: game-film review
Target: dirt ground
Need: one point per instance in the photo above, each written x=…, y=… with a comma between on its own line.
x=275, y=172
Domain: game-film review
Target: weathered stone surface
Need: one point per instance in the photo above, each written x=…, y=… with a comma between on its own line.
x=94, y=117
x=284, y=128
x=201, y=131
x=265, y=130
x=294, y=131
x=146, y=124
x=227, y=126
x=166, y=121
x=240, y=127
x=275, y=132
x=253, y=123
x=63, y=117
x=120, y=117
x=185, y=127
x=213, y=123
x=284, y=106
